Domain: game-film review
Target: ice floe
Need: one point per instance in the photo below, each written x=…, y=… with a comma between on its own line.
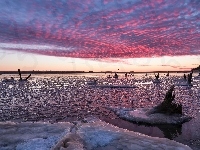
x=31, y=136
x=141, y=115
x=183, y=83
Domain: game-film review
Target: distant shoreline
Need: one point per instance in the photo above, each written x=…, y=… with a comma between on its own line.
x=79, y=72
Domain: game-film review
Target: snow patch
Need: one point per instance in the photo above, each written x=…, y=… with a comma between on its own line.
x=100, y=135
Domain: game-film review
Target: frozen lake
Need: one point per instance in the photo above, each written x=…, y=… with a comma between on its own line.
x=56, y=98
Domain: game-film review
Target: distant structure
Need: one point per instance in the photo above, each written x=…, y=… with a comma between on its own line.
x=108, y=71
x=21, y=76
x=115, y=76
x=109, y=76
x=189, y=78
x=157, y=76
x=125, y=75
x=184, y=76
x=167, y=74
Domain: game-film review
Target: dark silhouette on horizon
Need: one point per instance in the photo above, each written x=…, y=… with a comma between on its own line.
x=184, y=76
x=20, y=75
x=109, y=76
x=167, y=74
x=115, y=76
x=157, y=76
x=168, y=106
x=125, y=75
x=189, y=80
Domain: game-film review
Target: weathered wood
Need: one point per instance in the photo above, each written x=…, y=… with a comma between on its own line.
x=167, y=106
x=20, y=75
x=20, y=79
x=28, y=77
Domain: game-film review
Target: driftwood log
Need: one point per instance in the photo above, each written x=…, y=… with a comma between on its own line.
x=20, y=76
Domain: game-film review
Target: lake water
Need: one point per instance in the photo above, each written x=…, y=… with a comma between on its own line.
x=55, y=98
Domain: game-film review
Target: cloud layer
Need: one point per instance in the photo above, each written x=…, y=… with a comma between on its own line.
x=101, y=28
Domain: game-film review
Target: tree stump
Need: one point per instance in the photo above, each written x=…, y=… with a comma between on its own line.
x=167, y=106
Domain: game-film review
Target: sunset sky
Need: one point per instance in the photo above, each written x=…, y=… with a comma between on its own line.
x=99, y=35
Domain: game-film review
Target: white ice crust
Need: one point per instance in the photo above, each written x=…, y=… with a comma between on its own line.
x=31, y=136
x=100, y=135
x=88, y=135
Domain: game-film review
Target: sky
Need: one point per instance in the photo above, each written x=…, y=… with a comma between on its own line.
x=99, y=35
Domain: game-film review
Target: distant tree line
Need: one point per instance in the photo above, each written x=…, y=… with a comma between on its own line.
x=196, y=69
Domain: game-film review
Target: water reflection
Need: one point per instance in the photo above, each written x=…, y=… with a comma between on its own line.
x=56, y=98
x=171, y=131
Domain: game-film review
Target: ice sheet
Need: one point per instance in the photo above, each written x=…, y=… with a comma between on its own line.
x=99, y=135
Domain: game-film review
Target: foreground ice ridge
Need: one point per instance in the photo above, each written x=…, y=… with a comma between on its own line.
x=88, y=134
x=94, y=134
x=31, y=136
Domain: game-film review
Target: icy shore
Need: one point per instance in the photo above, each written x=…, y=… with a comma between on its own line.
x=98, y=135
x=31, y=136
x=88, y=134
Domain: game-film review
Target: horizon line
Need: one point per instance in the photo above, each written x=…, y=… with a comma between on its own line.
x=66, y=72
